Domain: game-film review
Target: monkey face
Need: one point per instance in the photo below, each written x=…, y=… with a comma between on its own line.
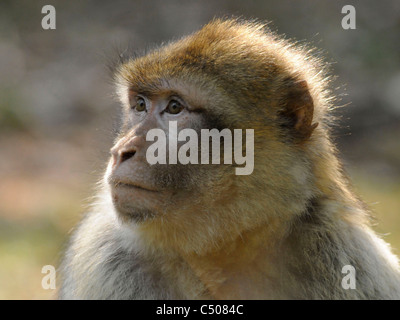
x=143, y=190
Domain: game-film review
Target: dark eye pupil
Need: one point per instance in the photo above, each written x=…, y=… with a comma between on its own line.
x=174, y=107
x=140, y=105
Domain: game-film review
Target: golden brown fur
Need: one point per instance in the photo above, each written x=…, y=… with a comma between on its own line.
x=285, y=231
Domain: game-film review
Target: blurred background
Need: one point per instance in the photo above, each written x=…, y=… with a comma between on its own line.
x=57, y=112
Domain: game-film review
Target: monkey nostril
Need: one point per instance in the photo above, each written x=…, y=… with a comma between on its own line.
x=126, y=155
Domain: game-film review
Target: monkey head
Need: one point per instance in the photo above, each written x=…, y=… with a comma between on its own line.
x=229, y=75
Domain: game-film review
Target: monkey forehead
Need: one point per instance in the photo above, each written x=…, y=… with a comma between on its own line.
x=224, y=51
x=227, y=57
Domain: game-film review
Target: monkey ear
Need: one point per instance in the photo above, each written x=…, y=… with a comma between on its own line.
x=297, y=113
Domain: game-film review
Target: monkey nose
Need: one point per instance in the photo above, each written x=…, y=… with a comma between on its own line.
x=126, y=148
x=121, y=155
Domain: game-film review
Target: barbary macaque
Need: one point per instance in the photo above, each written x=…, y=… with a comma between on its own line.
x=284, y=229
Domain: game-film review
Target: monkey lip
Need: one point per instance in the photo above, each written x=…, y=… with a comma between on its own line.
x=131, y=185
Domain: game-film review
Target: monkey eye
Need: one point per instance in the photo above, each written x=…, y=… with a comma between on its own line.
x=174, y=107
x=140, y=105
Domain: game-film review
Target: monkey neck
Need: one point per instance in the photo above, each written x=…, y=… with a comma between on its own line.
x=250, y=266
x=240, y=268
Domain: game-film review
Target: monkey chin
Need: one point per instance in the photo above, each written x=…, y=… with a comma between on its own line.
x=135, y=204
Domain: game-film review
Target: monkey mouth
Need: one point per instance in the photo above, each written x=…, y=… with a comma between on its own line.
x=131, y=185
